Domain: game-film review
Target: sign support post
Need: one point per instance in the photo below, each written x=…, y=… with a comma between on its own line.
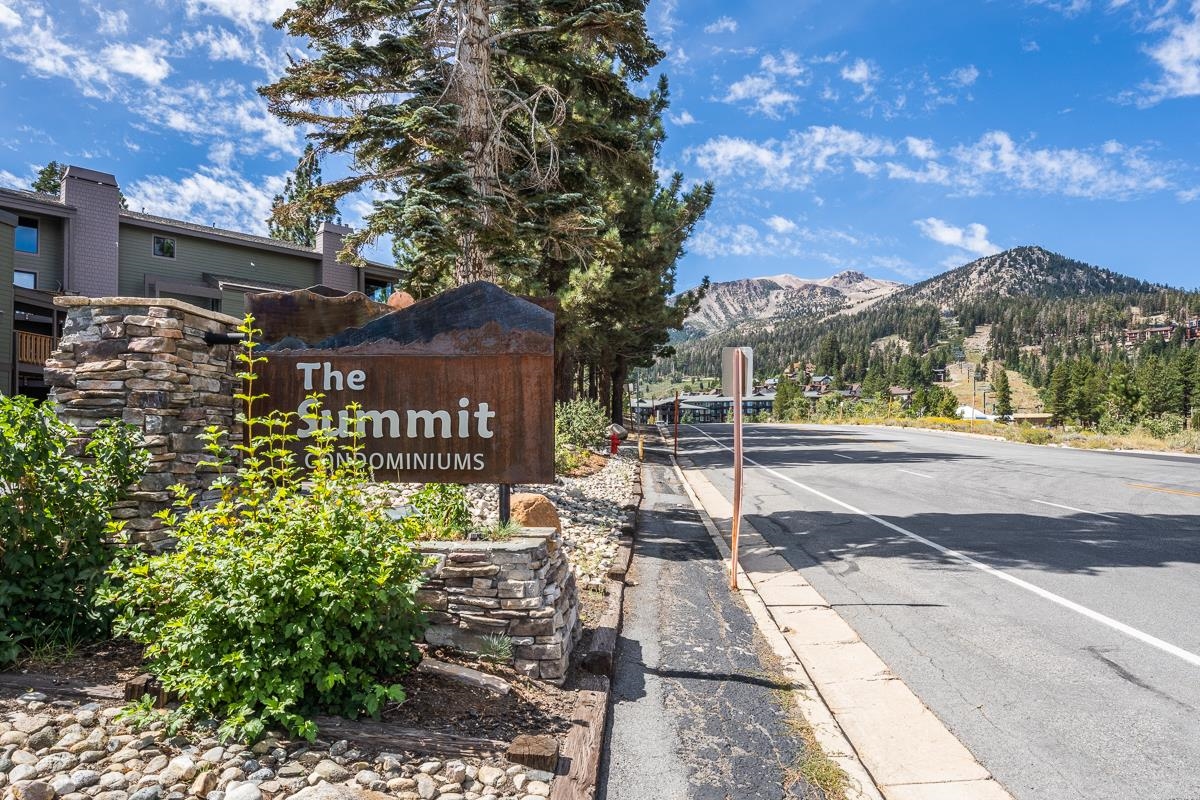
x=676, y=422
x=738, y=389
x=505, y=503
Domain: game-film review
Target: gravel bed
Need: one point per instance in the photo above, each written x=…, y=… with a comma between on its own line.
x=73, y=751
x=591, y=509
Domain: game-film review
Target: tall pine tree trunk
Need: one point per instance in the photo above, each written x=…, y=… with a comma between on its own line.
x=476, y=123
x=617, y=394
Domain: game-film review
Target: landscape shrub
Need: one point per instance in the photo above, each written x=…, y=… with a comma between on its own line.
x=441, y=511
x=55, y=517
x=579, y=423
x=279, y=600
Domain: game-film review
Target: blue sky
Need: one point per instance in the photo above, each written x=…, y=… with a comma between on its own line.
x=898, y=138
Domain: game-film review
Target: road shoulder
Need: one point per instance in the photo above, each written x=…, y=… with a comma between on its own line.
x=901, y=745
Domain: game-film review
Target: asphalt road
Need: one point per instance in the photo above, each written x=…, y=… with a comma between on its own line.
x=1043, y=602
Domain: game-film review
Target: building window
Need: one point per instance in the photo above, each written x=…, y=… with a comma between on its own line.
x=26, y=240
x=164, y=247
x=24, y=279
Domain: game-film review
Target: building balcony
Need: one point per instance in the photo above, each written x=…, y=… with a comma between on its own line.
x=33, y=349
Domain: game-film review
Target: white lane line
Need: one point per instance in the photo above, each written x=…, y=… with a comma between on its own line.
x=1095, y=616
x=918, y=474
x=1073, y=508
x=839, y=455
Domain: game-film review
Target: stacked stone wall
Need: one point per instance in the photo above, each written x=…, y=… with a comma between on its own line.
x=522, y=588
x=145, y=362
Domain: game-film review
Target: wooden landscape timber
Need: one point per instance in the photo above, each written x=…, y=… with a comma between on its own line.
x=579, y=765
x=58, y=688
x=385, y=736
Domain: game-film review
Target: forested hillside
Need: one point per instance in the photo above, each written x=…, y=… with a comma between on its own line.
x=1061, y=323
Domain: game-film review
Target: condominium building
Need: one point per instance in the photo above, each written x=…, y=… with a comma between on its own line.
x=83, y=242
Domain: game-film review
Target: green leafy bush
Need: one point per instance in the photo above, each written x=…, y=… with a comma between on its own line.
x=441, y=511
x=1032, y=435
x=279, y=600
x=1163, y=426
x=54, y=512
x=579, y=423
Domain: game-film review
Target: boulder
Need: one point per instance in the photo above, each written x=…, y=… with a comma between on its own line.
x=400, y=300
x=534, y=511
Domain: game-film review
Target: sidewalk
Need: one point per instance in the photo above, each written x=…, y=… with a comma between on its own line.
x=701, y=707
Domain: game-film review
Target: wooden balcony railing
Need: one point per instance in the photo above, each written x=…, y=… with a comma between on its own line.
x=33, y=348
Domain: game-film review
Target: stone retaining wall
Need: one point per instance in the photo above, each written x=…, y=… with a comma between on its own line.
x=522, y=588
x=144, y=361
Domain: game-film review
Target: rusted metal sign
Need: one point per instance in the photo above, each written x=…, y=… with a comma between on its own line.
x=454, y=389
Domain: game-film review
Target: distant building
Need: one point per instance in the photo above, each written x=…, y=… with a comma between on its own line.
x=83, y=242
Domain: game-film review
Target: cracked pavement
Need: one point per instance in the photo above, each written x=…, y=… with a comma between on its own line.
x=696, y=708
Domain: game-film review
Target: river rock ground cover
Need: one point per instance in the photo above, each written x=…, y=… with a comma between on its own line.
x=53, y=748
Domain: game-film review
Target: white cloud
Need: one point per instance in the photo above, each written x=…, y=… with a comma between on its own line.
x=247, y=14
x=792, y=162
x=992, y=164
x=144, y=62
x=1030, y=45
x=1069, y=8
x=780, y=224
x=222, y=44
x=1188, y=195
x=863, y=73
x=682, y=118
x=1178, y=55
x=212, y=195
x=722, y=25
x=113, y=21
x=772, y=88
x=8, y=17
x=972, y=238
x=964, y=76
x=1112, y=171
x=11, y=181
x=920, y=148
x=225, y=111
x=714, y=240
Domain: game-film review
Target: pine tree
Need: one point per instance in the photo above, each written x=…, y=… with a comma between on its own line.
x=460, y=113
x=298, y=212
x=1058, y=395
x=49, y=179
x=1003, y=407
x=1123, y=394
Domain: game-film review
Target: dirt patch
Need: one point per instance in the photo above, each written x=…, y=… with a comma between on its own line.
x=437, y=703
x=591, y=464
x=99, y=664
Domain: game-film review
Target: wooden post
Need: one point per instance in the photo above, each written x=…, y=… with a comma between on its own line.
x=676, y=422
x=505, y=503
x=739, y=369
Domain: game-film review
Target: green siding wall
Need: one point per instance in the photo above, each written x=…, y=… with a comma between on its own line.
x=195, y=256
x=48, y=262
x=6, y=308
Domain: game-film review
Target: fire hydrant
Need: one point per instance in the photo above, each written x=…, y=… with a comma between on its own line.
x=613, y=441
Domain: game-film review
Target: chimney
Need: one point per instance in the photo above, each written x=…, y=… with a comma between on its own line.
x=333, y=273
x=94, y=230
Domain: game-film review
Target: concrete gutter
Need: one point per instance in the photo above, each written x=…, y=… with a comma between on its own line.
x=865, y=718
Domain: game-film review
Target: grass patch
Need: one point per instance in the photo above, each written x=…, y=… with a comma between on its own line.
x=1138, y=439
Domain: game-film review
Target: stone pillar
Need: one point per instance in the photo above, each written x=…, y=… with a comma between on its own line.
x=522, y=589
x=93, y=231
x=335, y=274
x=144, y=361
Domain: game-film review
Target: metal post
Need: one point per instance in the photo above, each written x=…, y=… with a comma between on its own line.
x=739, y=370
x=676, y=422
x=505, y=503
